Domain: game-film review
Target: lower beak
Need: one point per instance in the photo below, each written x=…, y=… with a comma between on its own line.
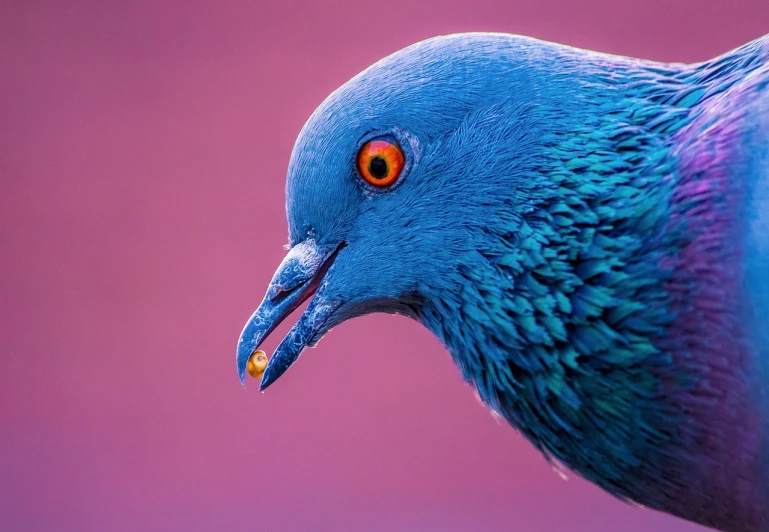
x=298, y=277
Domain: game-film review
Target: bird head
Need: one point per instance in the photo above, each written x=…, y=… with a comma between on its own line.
x=531, y=204
x=394, y=181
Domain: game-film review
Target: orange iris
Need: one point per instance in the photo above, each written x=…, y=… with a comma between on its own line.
x=380, y=162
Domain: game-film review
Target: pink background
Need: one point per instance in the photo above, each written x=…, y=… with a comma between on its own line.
x=143, y=149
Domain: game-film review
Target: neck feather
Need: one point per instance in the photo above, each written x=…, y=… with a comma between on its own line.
x=598, y=318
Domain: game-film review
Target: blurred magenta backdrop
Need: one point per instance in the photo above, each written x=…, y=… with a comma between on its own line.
x=143, y=149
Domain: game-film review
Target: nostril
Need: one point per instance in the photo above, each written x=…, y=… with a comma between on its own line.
x=281, y=293
x=300, y=273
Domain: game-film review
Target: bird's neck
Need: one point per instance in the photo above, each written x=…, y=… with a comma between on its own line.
x=603, y=323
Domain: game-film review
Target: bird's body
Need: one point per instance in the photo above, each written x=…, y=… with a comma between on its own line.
x=587, y=234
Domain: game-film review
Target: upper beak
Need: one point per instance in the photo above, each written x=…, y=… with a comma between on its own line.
x=297, y=278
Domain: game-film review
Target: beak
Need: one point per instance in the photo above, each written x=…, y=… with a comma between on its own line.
x=298, y=277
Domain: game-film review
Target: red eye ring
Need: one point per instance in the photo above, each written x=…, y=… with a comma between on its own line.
x=380, y=162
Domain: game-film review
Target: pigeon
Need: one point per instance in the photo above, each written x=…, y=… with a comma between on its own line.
x=588, y=236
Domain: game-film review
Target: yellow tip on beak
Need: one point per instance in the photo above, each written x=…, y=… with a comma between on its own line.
x=256, y=364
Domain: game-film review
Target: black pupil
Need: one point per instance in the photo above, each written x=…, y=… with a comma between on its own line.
x=378, y=167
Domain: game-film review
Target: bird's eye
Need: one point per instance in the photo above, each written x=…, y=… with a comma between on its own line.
x=380, y=162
